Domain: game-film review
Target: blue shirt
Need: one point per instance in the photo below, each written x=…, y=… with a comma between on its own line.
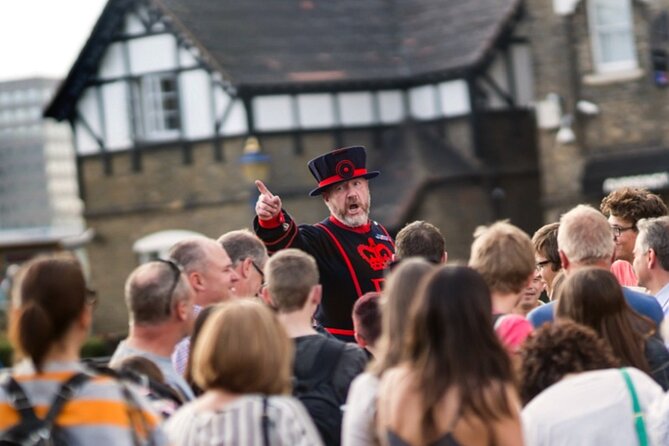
x=644, y=304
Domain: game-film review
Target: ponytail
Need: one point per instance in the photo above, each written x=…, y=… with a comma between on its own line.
x=35, y=333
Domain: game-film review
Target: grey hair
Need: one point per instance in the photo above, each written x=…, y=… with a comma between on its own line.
x=190, y=253
x=654, y=234
x=147, y=293
x=241, y=244
x=585, y=236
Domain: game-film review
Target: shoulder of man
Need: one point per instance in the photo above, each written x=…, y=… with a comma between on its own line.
x=542, y=315
x=644, y=304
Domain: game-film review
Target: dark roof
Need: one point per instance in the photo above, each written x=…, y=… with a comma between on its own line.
x=307, y=44
x=264, y=42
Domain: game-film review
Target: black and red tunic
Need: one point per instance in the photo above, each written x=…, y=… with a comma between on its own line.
x=351, y=261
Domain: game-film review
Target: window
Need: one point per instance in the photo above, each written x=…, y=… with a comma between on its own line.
x=612, y=35
x=157, y=107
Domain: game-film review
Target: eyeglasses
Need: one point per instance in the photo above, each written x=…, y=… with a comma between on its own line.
x=177, y=270
x=617, y=230
x=260, y=271
x=540, y=265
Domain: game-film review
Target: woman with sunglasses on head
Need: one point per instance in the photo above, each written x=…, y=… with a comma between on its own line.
x=50, y=318
x=454, y=383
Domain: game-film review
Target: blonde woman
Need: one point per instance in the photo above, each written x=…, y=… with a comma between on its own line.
x=243, y=361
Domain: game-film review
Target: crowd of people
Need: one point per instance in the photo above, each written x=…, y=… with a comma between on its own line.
x=336, y=333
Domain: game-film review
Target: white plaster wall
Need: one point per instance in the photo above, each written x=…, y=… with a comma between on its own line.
x=315, y=110
x=391, y=107
x=88, y=108
x=154, y=53
x=454, y=97
x=133, y=25
x=273, y=112
x=422, y=102
x=195, y=92
x=236, y=123
x=186, y=58
x=112, y=64
x=115, y=99
x=524, y=79
x=356, y=108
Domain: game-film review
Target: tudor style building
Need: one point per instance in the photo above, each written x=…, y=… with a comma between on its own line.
x=165, y=93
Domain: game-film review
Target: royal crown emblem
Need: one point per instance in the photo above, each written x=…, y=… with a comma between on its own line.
x=377, y=255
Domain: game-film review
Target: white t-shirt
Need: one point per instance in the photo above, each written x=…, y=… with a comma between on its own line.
x=591, y=408
x=358, y=427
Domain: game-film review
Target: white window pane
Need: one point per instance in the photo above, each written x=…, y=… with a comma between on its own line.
x=616, y=47
x=612, y=12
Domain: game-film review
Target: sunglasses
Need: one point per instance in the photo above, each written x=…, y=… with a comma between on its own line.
x=177, y=270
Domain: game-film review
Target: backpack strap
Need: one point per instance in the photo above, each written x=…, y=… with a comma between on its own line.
x=21, y=403
x=326, y=361
x=65, y=394
x=19, y=400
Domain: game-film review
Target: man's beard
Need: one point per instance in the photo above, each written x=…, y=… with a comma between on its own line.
x=353, y=221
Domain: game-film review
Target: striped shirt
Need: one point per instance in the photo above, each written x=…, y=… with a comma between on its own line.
x=182, y=349
x=240, y=423
x=98, y=414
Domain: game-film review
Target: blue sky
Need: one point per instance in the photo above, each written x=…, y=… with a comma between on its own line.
x=43, y=37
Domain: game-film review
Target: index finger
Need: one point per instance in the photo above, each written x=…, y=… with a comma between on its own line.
x=263, y=189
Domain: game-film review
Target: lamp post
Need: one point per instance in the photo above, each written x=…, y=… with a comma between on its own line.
x=255, y=165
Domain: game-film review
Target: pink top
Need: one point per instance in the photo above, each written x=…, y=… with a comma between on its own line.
x=624, y=272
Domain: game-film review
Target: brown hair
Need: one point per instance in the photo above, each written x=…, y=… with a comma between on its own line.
x=367, y=317
x=593, y=297
x=397, y=296
x=558, y=349
x=633, y=204
x=51, y=295
x=451, y=344
x=195, y=335
x=243, y=349
x=503, y=255
x=545, y=243
x=420, y=239
x=291, y=274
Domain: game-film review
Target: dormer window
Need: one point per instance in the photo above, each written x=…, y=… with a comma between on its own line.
x=612, y=35
x=157, y=107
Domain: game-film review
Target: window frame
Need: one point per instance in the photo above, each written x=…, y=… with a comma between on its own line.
x=151, y=116
x=595, y=31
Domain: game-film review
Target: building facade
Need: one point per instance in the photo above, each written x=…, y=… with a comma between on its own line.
x=601, y=77
x=166, y=93
x=40, y=207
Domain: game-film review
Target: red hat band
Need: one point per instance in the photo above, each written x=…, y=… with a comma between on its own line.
x=338, y=178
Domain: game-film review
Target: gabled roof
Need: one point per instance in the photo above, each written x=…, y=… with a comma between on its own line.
x=298, y=45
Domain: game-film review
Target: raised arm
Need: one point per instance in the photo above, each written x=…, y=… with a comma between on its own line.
x=268, y=205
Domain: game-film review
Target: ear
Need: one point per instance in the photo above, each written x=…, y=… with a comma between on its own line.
x=182, y=309
x=196, y=280
x=359, y=340
x=85, y=319
x=444, y=257
x=564, y=260
x=316, y=294
x=245, y=267
x=265, y=296
x=652, y=258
